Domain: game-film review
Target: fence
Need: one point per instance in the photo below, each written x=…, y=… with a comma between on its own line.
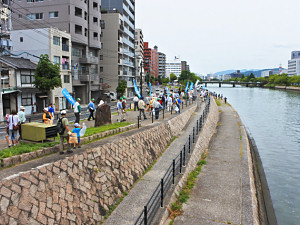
x=156, y=201
x=186, y=103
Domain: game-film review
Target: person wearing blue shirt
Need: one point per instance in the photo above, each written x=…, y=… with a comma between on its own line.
x=91, y=108
x=177, y=102
x=51, y=110
x=77, y=131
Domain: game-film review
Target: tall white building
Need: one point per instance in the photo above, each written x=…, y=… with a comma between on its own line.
x=174, y=66
x=294, y=64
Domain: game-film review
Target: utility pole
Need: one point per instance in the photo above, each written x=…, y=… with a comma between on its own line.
x=141, y=78
x=1, y=104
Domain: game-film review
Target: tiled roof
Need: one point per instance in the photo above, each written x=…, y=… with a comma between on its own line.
x=18, y=63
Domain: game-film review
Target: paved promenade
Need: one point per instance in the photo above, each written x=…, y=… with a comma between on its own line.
x=222, y=193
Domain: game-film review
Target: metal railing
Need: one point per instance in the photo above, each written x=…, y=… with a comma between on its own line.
x=156, y=201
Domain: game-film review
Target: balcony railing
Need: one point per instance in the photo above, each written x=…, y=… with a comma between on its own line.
x=65, y=47
x=89, y=60
x=65, y=66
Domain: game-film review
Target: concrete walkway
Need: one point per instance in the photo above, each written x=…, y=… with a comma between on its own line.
x=222, y=193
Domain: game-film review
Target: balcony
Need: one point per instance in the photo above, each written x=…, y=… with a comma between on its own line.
x=129, y=33
x=125, y=7
x=128, y=22
x=89, y=60
x=65, y=47
x=127, y=42
x=65, y=66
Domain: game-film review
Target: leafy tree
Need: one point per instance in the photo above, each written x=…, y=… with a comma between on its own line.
x=252, y=76
x=165, y=80
x=47, y=75
x=152, y=79
x=147, y=77
x=121, y=88
x=173, y=77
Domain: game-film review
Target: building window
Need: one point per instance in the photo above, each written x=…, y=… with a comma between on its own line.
x=20, y=16
x=95, y=36
x=95, y=21
x=95, y=5
x=56, y=60
x=21, y=39
x=78, y=29
x=27, y=78
x=67, y=79
x=53, y=14
x=35, y=16
x=76, y=52
x=56, y=40
x=26, y=99
x=101, y=69
x=85, y=15
x=101, y=81
x=85, y=32
x=78, y=12
x=101, y=57
x=35, y=0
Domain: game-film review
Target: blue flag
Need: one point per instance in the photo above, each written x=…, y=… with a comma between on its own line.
x=187, y=86
x=68, y=96
x=136, y=88
x=150, y=87
x=168, y=92
x=191, y=87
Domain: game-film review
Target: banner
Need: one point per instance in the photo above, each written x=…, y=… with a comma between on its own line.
x=150, y=88
x=168, y=92
x=191, y=87
x=68, y=96
x=187, y=86
x=196, y=83
x=136, y=88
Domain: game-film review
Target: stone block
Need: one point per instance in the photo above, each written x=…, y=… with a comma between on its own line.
x=7, y=162
x=25, y=157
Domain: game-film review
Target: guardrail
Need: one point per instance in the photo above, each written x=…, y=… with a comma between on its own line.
x=156, y=201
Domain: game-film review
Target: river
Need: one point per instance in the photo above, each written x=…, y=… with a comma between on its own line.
x=273, y=118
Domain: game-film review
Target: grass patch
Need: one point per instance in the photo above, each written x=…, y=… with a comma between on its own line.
x=176, y=207
x=112, y=208
x=127, y=110
x=24, y=148
x=218, y=102
x=95, y=130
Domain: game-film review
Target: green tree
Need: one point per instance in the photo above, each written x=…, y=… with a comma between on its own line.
x=47, y=75
x=173, y=77
x=147, y=77
x=165, y=80
x=121, y=88
x=252, y=76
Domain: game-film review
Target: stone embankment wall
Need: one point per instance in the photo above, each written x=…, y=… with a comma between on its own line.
x=201, y=146
x=80, y=189
x=288, y=88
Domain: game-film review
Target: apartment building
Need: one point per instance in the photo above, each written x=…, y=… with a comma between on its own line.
x=57, y=45
x=81, y=19
x=139, y=54
x=161, y=64
x=150, y=60
x=126, y=8
x=294, y=64
x=174, y=66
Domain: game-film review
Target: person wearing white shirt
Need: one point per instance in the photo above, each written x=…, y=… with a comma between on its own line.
x=22, y=118
x=13, y=123
x=135, y=102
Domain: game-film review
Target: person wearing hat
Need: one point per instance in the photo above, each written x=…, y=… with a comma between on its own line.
x=65, y=134
x=77, y=110
x=22, y=118
x=77, y=130
x=141, y=107
x=91, y=108
x=47, y=117
x=119, y=108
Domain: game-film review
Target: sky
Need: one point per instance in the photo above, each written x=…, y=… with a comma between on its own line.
x=217, y=35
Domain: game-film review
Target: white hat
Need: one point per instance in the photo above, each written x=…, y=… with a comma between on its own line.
x=46, y=109
x=101, y=102
x=76, y=124
x=63, y=112
x=22, y=107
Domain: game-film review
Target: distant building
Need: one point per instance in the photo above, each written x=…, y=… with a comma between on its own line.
x=174, y=66
x=139, y=54
x=185, y=66
x=237, y=74
x=161, y=64
x=294, y=64
x=150, y=60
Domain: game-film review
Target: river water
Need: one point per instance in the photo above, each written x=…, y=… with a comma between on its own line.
x=273, y=118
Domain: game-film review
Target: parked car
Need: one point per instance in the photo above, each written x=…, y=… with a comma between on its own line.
x=112, y=96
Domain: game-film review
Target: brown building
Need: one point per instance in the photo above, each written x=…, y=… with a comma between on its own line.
x=150, y=60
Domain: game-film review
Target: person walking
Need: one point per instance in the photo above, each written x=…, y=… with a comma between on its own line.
x=77, y=128
x=177, y=102
x=66, y=134
x=157, y=107
x=119, y=108
x=141, y=105
x=135, y=102
x=124, y=104
x=225, y=100
x=47, y=117
x=147, y=102
x=169, y=103
x=91, y=108
x=22, y=118
x=13, y=127
x=77, y=110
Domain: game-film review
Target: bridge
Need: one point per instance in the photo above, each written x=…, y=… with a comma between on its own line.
x=233, y=83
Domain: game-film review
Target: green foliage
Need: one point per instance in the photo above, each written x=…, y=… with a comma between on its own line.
x=153, y=79
x=173, y=77
x=147, y=78
x=121, y=88
x=186, y=76
x=47, y=74
x=24, y=148
x=95, y=130
x=165, y=80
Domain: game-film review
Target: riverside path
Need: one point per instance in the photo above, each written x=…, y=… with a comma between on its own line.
x=222, y=193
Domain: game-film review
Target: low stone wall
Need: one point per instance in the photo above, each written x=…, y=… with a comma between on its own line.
x=290, y=88
x=201, y=145
x=80, y=189
x=17, y=159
